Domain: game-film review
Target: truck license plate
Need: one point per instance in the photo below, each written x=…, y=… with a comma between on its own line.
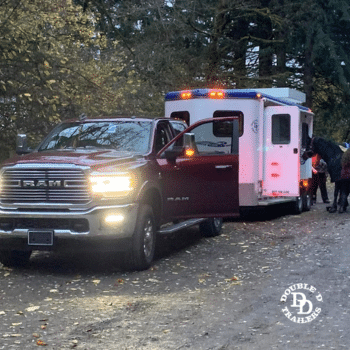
x=40, y=238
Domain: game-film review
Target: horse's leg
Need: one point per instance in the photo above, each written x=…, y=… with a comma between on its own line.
x=333, y=208
x=344, y=192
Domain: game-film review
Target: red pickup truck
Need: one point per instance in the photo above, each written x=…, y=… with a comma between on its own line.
x=115, y=184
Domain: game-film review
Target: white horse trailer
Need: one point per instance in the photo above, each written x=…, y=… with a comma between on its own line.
x=273, y=128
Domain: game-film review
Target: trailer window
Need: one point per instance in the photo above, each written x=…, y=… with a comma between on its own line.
x=221, y=114
x=182, y=115
x=304, y=134
x=280, y=129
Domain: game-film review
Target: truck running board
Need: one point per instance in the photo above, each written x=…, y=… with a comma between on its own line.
x=179, y=226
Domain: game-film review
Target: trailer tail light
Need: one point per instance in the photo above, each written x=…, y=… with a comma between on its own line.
x=216, y=94
x=186, y=95
x=304, y=183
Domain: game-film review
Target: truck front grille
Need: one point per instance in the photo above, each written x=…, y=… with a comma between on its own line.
x=74, y=225
x=62, y=186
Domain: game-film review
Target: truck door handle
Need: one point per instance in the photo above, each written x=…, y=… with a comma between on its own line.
x=223, y=167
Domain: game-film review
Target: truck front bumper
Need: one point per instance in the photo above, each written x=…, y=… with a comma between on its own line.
x=68, y=227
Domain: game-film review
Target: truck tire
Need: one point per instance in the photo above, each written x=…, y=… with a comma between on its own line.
x=144, y=240
x=17, y=258
x=211, y=227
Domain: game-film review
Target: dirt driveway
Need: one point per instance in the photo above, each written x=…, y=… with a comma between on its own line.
x=220, y=293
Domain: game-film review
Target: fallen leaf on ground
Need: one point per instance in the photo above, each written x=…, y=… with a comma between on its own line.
x=153, y=280
x=40, y=343
x=233, y=278
x=32, y=308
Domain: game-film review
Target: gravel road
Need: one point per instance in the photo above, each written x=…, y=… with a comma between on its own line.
x=219, y=293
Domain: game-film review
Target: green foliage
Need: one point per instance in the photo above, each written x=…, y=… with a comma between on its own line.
x=55, y=65
x=119, y=57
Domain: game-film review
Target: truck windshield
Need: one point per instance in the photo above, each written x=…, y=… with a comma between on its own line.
x=123, y=136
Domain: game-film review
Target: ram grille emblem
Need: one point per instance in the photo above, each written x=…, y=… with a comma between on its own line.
x=41, y=183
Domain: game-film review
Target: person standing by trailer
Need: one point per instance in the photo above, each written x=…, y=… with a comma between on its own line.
x=319, y=178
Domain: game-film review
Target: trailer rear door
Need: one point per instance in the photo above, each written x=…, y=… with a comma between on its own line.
x=281, y=151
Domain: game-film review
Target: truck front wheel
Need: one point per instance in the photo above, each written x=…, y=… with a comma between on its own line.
x=144, y=240
x=211, y=227
x=14, y=257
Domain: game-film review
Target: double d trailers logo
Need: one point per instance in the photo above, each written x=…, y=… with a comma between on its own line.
x=299, y=308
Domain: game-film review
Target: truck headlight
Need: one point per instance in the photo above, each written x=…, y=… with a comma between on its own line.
x=111, y=185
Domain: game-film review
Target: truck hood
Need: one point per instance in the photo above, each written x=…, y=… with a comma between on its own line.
x=95, y=159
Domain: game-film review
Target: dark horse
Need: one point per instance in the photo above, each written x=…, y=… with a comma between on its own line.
x=332, y=155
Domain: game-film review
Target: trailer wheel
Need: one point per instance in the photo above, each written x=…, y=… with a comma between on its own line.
x=307, y=202
x=211, y=227
x=16, y=258
x=298, y=205
x=141, y=255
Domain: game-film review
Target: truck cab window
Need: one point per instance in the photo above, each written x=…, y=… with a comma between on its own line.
x=280, y=129
x=162, y=137
x=178, y=127
x=210, y=142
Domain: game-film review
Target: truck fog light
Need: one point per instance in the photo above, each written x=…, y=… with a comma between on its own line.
x=111, y=219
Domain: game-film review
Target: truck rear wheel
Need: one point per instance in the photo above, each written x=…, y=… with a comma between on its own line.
x=15, y=257
x=211, y=227
x=144, y=240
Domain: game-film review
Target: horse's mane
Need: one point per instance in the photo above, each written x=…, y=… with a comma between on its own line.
x=323, y=147
x=331, y=154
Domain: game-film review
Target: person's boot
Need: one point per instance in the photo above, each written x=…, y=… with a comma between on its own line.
x=332, y=209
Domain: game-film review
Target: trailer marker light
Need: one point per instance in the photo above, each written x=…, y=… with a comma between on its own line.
x=216, y=94
x=275, y=175
x=258, y=95
x=186, y=95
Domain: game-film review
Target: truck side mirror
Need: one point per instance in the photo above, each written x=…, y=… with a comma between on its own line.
x=21, y=144
x=177, y=151
x=189, y=141
x=172, y=154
